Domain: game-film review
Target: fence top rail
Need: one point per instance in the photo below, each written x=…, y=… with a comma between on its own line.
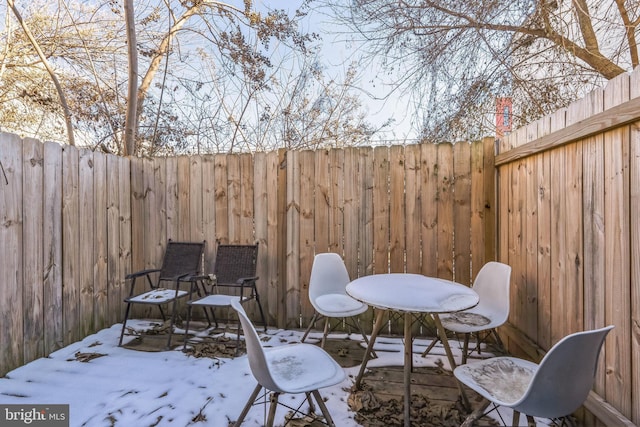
x=620, y=115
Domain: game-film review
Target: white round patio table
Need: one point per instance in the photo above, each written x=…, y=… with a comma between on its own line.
x=411, y=294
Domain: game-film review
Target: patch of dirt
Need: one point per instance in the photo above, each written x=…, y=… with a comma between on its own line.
x=85, y=357
x=215, y=347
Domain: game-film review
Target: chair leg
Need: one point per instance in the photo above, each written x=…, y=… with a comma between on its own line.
x=465, y=348
x=312, y=407
x=124, y=323
x=430, y=347
x=186, y=328
x=323, y=408
x=364, y=335
x=248, y=405
x=530, y=421
x=173, y=320
x=325, y=332
x=272, y=409
x=264, y=321
x=516, y=419
x=313, y=320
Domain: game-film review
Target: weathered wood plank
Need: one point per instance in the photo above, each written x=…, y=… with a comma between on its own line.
x=263, y=198
x=221, y=198
x=114, y=275
x=11, y=262
x=397, y=209
x=322, y=201
x=52, y=247
x=87, y=226
x=196, y=232
x=365, y=166
x=412, y=217
x=32, y=248
x=381, y=210
x=234, y=197
x=429, y=208
x=100, y=303
x=445, y=211
x=293, y=241
x=209, y=213
x=462, y=212
x=350, y=211
x=307, y=235
x=184, y=198
x=71, y=248
x=617, y=254
x=125, y=243
x=246, y=199
x=336, y=197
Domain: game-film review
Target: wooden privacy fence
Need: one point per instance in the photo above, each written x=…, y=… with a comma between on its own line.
x=569, y=225
x=75, y=222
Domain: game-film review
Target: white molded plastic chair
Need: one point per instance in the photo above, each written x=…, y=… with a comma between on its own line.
x=296, y=368
x=492, y=286
x=553, y=389
x=328, y=295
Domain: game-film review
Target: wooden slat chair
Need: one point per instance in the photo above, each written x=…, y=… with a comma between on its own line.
x=234, y=277
x=181, y=260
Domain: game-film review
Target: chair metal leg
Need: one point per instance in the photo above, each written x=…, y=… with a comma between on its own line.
x=323, y=408
x=257, y=297
x=124, y=323
x=312, y=407
x=248, y=405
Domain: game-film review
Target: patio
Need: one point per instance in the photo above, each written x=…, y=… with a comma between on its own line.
x=137, y=384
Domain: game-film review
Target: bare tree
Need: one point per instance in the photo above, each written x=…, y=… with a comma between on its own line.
x=47, y=66
x=451, y=57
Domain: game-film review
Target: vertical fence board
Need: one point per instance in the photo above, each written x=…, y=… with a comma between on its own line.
x=114, y=274
x=617, y=294
x=413, y=193
x=293, y=240
x=322, y=201
x=365, y=166
x=196, y=233
x=634, y=215
x=209, y=213
x=87, y=226
x=172, y=211
x=307, y=237
x=11, y=262
x=184, y=199
x=261, y=212
x=336, y=196
x=462, y=212
x=445, y=211
x=221, y=198
x=429, y=208
x=350, y=211
x=233, y=197
x=381, y=210
x=71, y=244
x=52, y=247
x=100, y=301
x=138, y=195
x=125, y=247
x=32, y=247
x=397, y=209
x=273, y=237
x=530, y=230
x=543, y=185
x=246, y=202
x=478, y=204
x=489, y=202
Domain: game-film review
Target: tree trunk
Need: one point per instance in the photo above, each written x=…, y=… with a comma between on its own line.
x=131, y=123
